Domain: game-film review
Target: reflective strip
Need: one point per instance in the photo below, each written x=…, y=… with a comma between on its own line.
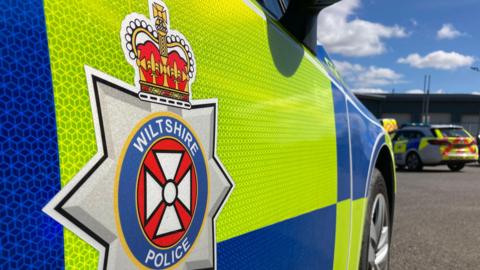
x=342, y=235
x=358, y=218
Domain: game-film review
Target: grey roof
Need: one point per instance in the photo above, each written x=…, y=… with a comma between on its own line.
x=421, y=126
x=415, y=128
x=446, y=126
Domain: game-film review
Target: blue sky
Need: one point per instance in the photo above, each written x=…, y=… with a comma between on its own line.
x=383, y=45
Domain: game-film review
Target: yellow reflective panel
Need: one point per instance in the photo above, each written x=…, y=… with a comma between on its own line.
x=276, y=129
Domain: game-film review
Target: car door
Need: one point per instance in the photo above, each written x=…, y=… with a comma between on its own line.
x=291, y=227
x=414, y=141
x=400, y=141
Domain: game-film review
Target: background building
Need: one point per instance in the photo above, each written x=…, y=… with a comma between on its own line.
x=461, y=109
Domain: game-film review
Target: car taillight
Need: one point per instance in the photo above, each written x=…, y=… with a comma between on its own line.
x=438, y=142
x=466, y=141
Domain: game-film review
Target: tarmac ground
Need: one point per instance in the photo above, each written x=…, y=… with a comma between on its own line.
x=437, y=219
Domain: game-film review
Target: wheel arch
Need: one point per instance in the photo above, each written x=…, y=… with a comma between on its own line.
x=412, y=150
x=386, y=165
x=406, y=153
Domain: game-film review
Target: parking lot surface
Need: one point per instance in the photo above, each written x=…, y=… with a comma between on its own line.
x=437, y=219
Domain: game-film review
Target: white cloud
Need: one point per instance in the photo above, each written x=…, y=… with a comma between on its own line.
x=476, y=92
x=369, y=90
x=409, y=91
x=420, y=91
x=347, y=69
x=438, y=60
x=379, y=76
x=353, y=37
x=448, y=31
x=414, y=91
x=367, y=77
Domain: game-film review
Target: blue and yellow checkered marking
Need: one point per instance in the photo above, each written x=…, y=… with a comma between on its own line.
x=260, y=109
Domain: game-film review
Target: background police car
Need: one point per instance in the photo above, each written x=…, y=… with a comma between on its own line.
x=430, y=145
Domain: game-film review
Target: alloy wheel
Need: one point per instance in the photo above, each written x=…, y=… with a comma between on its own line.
x=379, y=235
x=412, y=162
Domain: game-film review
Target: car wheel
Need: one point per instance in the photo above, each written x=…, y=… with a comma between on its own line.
x=376, y=230
x=455, y=167
x=413, y=162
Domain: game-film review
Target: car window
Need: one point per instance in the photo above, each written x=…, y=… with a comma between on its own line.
x=417, y=135
x=453, y=132
x=274, y=7
x=284, y=4
x=410, y=135
x=400, y=136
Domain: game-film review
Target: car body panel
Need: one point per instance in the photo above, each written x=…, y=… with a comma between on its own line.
x=286, y=126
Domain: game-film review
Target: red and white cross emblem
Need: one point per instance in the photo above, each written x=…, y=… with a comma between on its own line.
x=166, y=192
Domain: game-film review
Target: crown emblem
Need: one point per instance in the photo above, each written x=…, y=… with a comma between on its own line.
x=163, y=60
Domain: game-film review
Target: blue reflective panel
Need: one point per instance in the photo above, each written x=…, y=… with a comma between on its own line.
x=365, y=143
x=343, y=149
x=29, y=170
x=303, y=242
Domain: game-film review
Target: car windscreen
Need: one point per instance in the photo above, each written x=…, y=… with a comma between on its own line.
x=453, y=132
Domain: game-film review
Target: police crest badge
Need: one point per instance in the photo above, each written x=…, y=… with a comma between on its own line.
x=150, y=196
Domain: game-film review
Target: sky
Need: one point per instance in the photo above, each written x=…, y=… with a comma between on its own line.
x=385, y=45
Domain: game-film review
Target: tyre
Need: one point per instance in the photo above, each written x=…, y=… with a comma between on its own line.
x=455, y=167
x=375, y=252
x=413, y=162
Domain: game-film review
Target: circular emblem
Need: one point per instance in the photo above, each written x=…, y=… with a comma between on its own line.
x=161, y=191
x=166, y=192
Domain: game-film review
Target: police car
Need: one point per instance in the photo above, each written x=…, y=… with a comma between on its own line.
x=416, y=146
x=199, y=135
x=478, y=146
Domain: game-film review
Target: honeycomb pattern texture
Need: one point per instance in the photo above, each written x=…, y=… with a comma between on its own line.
x=29, y=170
x=79, y=33
x=276, y=129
